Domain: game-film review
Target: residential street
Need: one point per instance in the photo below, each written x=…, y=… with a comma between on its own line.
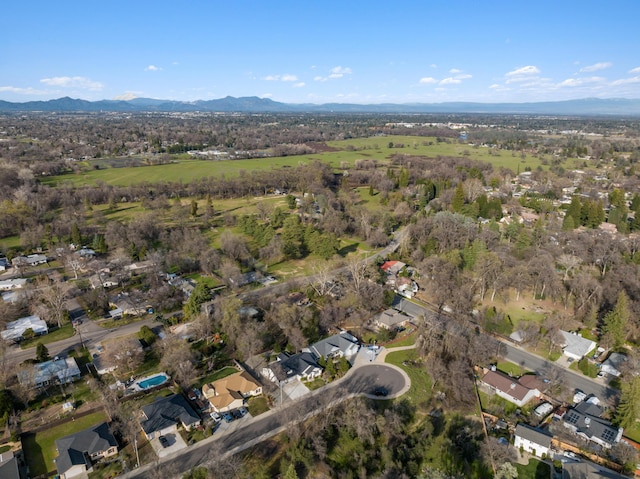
x=517, y=355
x=360, y=379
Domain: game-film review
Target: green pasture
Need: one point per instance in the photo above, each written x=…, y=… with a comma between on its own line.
x=348, y=152
x=40, y=448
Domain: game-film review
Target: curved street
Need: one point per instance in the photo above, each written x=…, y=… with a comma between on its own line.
x=363, y=378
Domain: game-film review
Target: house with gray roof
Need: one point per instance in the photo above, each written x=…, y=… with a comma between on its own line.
x=78, y=452
x=164, y=414
x=56, y=371
x=339, y=345
x=391, y=319
x=291, y=367
x=612, y=364
x=15, y=329
x=9, y=466
x=534, y=441
x=586, y=421
x=575, y=346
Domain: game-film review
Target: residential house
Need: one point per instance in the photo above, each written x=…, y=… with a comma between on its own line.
x=10, y=284
x=30, y=260
x=392, y=267
x=15, y=329
x=339, y=345
x=586, y=421
x=613, y=363
x=78, y=452
x=588, y=470
x=56, y=371
x=9, y=466
x=293, y=367
x=391, y=319
x=508, y=388
x=230, y=392
x=532, y=440
x=164, y=414
x=575, y=346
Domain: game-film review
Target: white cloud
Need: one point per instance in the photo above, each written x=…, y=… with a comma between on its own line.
x=152, y=68
x=450, y=81
x=454, y=71
x=428, y=80
x=299, y=84
x=522, y=74
x=635, y=70
x=528, y=70
x=23, y=91
x=339, y=72
x=597, y=67
x=466, y=76
x=626, y=81
x=433, y=65
x=126, y=96
x=285, y=77
x=573, y=82
x=73, y=82
x=336, y=72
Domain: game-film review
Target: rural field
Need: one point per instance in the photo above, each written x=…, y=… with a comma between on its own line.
x=348, y=152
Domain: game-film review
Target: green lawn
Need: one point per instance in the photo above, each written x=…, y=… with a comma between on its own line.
x=257, y=405
x=40, y=448
x=511, y=368
x=420, y=391
x=633, y=432
x=535, y=469
x=408, y=340
x=64, y=332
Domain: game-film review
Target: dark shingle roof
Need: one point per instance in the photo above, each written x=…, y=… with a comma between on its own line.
x=165, y=412
x=73, y=449
x=537, y=436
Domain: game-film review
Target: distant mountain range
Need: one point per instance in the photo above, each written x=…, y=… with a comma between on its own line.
x=583, y=107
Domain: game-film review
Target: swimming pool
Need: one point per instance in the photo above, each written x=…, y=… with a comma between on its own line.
x=152, y=381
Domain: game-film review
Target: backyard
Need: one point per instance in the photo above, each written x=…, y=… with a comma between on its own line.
x=40, y=448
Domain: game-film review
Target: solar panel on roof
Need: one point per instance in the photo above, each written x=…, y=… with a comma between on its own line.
x=572, y=418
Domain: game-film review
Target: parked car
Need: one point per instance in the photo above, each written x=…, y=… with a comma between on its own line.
x=216, y=417
x=164, y=441
x=243, y=411
x=228, y=417
x=380, y=391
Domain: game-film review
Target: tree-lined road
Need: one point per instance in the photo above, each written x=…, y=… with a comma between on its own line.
x=517, y=355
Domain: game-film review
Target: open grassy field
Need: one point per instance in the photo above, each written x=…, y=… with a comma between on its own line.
x=40, y=448
x=348, y=151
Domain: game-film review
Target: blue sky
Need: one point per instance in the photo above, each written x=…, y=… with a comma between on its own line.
x=321, y=51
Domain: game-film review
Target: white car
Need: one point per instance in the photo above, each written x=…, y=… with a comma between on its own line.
x=215, y=416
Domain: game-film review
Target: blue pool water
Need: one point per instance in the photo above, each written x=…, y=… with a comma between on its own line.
x=153, y=381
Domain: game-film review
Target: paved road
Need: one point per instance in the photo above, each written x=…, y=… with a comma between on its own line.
x=362, y=379
x=572, y=380
x=91, y=334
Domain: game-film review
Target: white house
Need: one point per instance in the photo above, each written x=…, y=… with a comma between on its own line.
x=56, y=371
x=16, y=329
x=9, y=284
x=575, y=346
x=532, y=440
